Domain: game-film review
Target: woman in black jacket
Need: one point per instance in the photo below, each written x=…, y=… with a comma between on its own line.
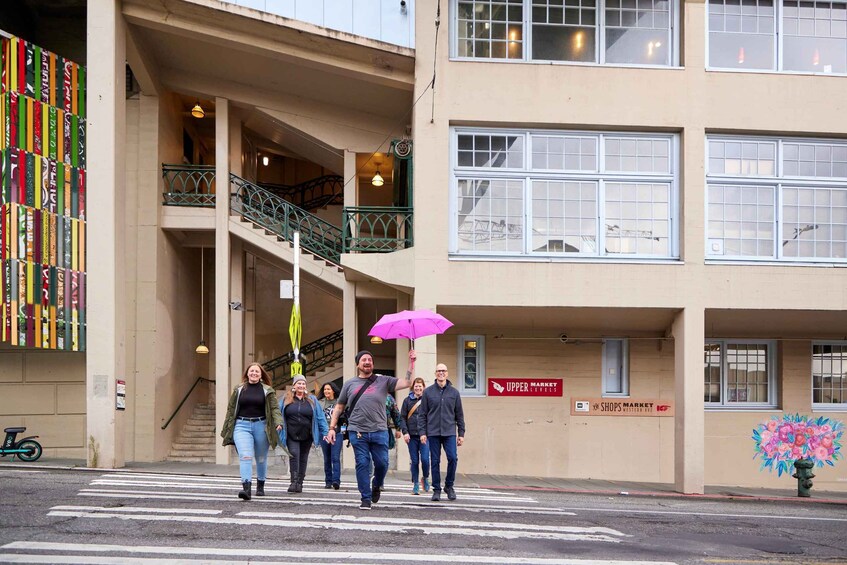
x=418, y=452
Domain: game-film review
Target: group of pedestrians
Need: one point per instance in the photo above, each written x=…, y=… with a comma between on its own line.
x=430, y=419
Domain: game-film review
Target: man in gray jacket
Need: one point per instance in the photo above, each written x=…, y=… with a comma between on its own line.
x=441, y=420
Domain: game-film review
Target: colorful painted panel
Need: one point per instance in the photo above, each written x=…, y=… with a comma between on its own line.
x=42, y=198
x=782, y=440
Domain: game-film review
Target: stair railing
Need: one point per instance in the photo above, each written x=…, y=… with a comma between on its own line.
x=184, y=398
x=315, y=193
x=189, y=185
x=283, y=218
x=317, y=354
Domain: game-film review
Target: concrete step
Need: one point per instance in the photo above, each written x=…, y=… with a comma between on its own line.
x=191, y=448
x=203, y=416
x=206, y=428
x=208, y=423
x=187, y=436
x=192, y=459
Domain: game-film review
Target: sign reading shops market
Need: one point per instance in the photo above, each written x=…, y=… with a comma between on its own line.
x=621, y=407
x=524, y=387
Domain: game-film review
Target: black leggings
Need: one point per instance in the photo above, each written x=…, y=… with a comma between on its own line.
x=299, y=450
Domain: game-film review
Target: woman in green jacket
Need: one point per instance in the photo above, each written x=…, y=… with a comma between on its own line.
x=252, y=418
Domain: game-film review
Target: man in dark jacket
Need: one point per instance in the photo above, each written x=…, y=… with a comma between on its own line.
x=441, y=417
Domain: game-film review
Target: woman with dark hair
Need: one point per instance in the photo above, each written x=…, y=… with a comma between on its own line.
x=251, y=417
x=331, y=451
x=418, y=452
x=303, y=423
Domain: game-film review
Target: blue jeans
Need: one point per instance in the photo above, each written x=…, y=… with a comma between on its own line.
x=332, y=460
x=251, y=442
x=372, y=445
x=449, y=445
x=418, y=452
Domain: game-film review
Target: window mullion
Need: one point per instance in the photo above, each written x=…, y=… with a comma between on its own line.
x=777, y=239
x=778, y=29
x=528, y=214
x=527, y=30
x=601, y=217
x=724, y=374
x=600, y=41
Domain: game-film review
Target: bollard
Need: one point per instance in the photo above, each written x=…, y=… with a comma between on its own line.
x=804, y=476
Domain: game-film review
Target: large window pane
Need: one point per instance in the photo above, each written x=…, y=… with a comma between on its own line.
x=638, y=33
x=741, y=219
x=491, y=151
x=712, y=373
x=564, y=32
x=564, y=153
x=564, y=217
x=815, y=36
x=490, y=29
x=638, y=218
x=742, y=34
x=490, y=215
x=829, y=373
x=814, y=223
x=747, y=372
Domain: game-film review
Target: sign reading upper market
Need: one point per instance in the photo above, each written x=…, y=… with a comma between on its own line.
x=621, y=407
x=524, y=387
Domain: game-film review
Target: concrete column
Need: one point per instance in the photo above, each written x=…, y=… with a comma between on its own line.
x=106, y=355
x=351, y=346
x=236, y=282
x=689, y=421
x=223, y=384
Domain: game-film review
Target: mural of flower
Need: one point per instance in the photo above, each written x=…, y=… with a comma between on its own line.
x=781, y=440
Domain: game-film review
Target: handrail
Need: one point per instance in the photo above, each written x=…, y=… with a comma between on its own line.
x=186, y=398
x=189, y=185
x=377, y=229
x=318, y=354
x=284, y=218
x=315, y=193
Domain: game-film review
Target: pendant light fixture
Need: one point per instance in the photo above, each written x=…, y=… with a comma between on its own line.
x=202, y=347
x=377, y=180
x=197, y=111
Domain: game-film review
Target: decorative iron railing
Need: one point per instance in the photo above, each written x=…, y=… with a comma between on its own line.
x=312, y=194
x=314, y=356
x=189, y=185
x=377, y=229
x=284, y=218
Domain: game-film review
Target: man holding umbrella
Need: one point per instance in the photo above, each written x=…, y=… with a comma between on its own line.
x=367, y=427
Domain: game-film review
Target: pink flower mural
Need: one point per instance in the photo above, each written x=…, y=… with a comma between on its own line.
x=782, y=440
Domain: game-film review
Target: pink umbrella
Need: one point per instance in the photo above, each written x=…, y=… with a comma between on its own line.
x=410, y=324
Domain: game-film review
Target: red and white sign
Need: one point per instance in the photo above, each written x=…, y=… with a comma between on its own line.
x=524, y=387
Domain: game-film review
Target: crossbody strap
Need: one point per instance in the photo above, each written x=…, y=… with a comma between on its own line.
x=412, y=411
x=371, y=381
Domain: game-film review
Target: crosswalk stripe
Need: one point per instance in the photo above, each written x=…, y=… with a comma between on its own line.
x=298, y=556
x=348, y=500
x=503, y=533
x=418, y=522
x=281, y=481
x=230, y=485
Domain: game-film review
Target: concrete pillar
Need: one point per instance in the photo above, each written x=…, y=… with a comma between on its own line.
x=236, y=282
x=106, y=355
x=223, y=384
x=689, y=421
x=351, y=346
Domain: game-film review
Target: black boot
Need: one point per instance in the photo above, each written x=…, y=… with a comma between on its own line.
x=293, y=486
x=260, y=488
x=246, y=487
x=300, y=483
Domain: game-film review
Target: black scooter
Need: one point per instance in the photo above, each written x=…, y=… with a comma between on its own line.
x=26, y=449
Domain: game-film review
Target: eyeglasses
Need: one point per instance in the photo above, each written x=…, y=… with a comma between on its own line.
x=441, y=371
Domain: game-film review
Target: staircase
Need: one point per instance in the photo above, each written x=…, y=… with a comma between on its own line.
x=196, y=441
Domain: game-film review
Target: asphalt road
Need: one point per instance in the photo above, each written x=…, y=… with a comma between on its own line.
x=126, y=518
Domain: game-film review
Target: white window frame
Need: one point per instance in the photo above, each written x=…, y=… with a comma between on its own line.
x=624, y=366
x=725, y=404
x=824, y=406
x=480, y=389
x=779, y=36
x=778, y=182
x=526, y=175
x=599, y=44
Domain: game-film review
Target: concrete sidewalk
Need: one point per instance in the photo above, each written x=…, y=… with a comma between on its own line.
x=511, y=483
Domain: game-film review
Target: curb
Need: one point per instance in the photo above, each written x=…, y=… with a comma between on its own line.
x=651, y=494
